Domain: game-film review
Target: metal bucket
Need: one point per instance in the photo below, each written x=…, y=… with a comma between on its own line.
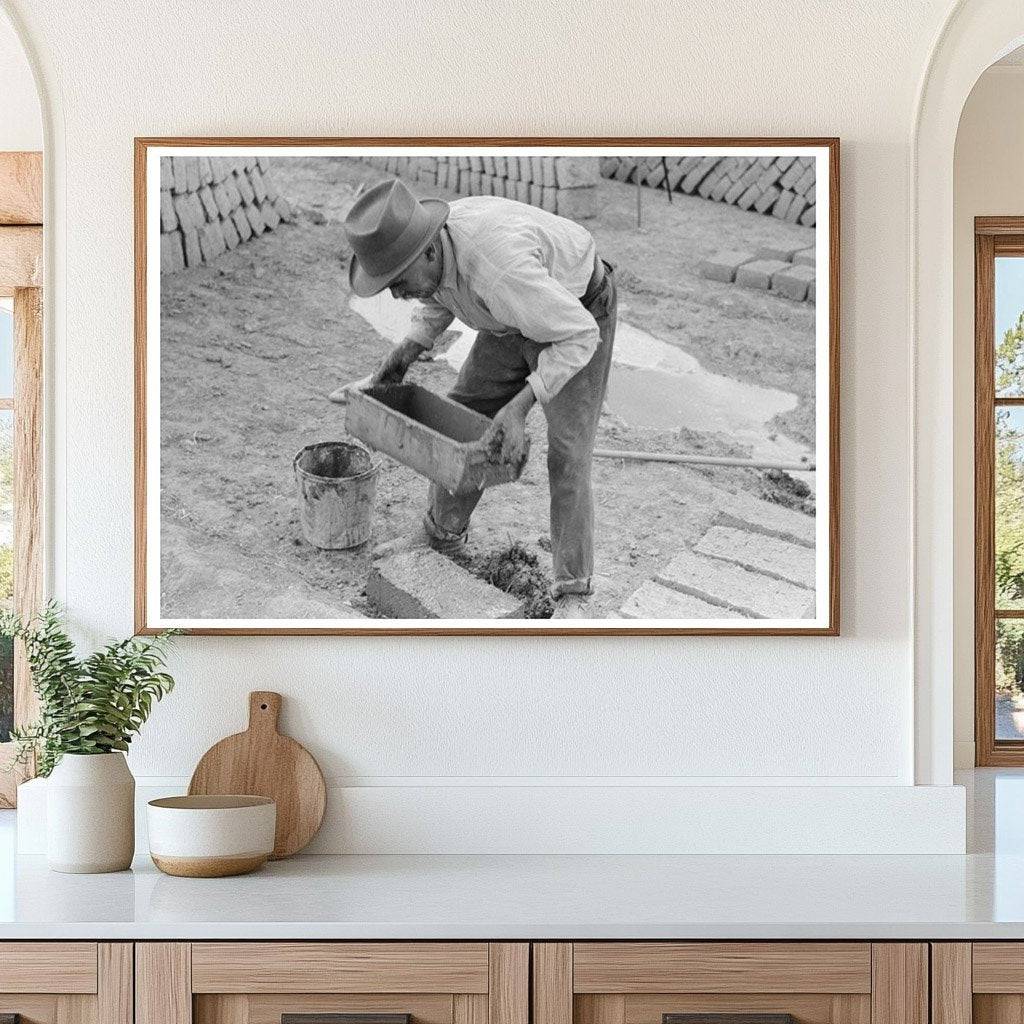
x=337, y=483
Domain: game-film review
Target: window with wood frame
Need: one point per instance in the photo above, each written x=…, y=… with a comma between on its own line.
x=999, y=491
x=21, y=361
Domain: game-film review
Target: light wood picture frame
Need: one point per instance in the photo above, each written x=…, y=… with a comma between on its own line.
x=173, y=236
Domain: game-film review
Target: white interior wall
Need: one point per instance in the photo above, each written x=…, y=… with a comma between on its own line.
x=436, y=716
x=988, y=181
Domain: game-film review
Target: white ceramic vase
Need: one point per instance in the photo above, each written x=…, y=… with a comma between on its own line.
x=90, y=814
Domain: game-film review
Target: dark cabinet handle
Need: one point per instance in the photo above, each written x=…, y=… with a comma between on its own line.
x=728, y=1018
x=339, y=1018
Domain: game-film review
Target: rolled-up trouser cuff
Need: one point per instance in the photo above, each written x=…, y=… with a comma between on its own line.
x=442, y=539
x=580, y=586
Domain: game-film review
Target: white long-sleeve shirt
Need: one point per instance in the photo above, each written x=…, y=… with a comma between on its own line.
x=509, y=268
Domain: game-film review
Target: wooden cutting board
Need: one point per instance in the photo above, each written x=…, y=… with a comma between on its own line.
x=262, y=762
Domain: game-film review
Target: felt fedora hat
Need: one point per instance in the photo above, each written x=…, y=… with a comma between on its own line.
x=387, y=228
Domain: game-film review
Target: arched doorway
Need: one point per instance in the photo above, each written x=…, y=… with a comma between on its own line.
x=975, y=35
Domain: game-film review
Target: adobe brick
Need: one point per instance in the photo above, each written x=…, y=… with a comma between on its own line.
x=735, y=191
x=183, y=211
x=758, y=273
x=172, y=257
x=807, y=179
x=231, y=238
x=270, y=216
x=168, y=218
x=180, y=184
x=231, y=190
x=796, y=207
x=193, y=253
x=723, y=266
x=766, y=199
x=209, y=203
x=792, y=282
x=211, y=241
x=576, y=172
x=576, y=203
x=255, y=219
x=241, y=222
x=626, y=168
x=693, y=179
x=785, y=253
x=792, y=176
x=244, y=186
x=707, y=185
x=781, y=206
x=192, y=172
x=747, y=200
x=721, y=189
x=423, y=584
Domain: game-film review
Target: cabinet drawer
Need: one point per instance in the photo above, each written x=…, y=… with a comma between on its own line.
x=260, y=982
x=752, y=982
x=635, y=967
x=340, y=967
x=48, y=967
x=66, y=982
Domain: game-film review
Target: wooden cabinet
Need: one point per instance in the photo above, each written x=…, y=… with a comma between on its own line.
x=66, y=982
x=259, y=982
x=815, y=982
x=494, y=983
x=980, y=982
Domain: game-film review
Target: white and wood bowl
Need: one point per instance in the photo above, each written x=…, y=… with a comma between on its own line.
x=211, y=836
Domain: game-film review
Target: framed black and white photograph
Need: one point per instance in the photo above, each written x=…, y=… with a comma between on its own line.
x=493, y=386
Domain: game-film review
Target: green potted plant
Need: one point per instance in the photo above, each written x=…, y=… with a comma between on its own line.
x=89, y=710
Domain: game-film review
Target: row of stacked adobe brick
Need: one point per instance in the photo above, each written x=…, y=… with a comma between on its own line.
x=783, y=186
x=566, y=185
x=211, y=204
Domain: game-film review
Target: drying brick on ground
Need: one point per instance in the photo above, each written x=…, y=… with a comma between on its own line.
x=786, y=272
x=211, y=204
x=782, y=187
x=565, y=185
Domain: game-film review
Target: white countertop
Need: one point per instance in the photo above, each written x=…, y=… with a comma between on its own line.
x=532, y=897
x=978, y=896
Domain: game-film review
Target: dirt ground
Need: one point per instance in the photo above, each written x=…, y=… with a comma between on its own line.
x=251, y=346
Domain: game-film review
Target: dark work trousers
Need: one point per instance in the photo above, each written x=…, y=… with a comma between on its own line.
x=494, y=372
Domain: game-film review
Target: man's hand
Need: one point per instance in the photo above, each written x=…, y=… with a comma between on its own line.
x=507, y=432
x=396, y=364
